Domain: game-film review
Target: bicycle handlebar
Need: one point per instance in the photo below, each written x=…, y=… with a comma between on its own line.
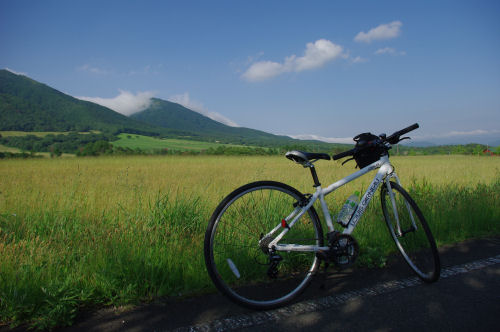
x=344, y=154
x=392, y=139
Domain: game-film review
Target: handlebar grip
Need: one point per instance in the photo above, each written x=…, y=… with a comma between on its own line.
x=408, y=129
x=343, y=154
x=395, y=137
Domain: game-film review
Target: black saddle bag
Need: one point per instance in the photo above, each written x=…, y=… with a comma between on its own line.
x=368, y=151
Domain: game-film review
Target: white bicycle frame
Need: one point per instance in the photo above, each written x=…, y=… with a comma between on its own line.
x=386, y=172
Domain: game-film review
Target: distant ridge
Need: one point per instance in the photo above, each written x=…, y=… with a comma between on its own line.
x=420, y=144
x=171, y=115
x=28, y=105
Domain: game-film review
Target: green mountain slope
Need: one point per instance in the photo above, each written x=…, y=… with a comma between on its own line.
x=174, y=116
x=28, y=105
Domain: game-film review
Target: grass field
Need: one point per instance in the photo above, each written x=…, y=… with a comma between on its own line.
x=82, y=232
x=131, y=141
x=147, y=143
x=4, y=148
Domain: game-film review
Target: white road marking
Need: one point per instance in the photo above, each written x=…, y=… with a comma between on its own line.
x=264, y=317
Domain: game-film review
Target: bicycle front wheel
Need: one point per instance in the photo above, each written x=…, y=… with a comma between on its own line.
x=410, y=232
x=237, y=258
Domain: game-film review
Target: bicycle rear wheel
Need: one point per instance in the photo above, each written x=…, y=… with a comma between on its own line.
x=245, y=270
x=410, y=232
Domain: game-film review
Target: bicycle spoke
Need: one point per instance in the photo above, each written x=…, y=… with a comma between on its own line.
x=256, y=263
x=235, y=255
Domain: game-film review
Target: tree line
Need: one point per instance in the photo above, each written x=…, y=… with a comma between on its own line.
x=95, y=144
x=56, y=144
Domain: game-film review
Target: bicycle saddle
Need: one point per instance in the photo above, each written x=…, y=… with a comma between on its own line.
x=302, y=157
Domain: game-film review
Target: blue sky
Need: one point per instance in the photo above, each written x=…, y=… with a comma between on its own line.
x=326, y=68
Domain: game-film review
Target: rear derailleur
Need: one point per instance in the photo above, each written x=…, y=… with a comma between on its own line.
x=274, y=260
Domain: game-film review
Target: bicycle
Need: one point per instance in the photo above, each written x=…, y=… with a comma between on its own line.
x=264, y=241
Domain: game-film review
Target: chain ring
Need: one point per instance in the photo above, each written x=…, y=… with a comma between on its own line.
x=344, y=250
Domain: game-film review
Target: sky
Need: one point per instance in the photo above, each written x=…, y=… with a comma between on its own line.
x=309, y=69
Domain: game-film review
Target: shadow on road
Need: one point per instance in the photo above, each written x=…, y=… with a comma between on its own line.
x=457, y=300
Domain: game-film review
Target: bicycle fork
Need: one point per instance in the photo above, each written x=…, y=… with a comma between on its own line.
x=399, y=232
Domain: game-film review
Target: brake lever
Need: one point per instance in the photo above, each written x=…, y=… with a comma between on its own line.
x=347, y=160
x=404, y=138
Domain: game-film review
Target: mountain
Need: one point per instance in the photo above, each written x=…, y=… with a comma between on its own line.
x=495, y=143
x=28, y=105
x=418, y=144
x=170, y=115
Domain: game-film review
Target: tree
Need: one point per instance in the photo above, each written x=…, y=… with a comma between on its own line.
x=55, y=151
x=96, y=148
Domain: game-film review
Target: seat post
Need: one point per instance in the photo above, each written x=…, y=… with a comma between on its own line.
x=314, y=175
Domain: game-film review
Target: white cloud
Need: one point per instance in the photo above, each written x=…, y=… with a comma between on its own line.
x=16, y=72
x=125, y=103
x=220, y=118
x=186, y=101
x=451, y=137
x=456, y=136
x=359, y=59
x=239, y=66
x=263, y=70
x=390, y=51
x=316, y=55
x=469, y=133
x=385, y=50
x=94, y=70
x=382, y=32
x=344, y=140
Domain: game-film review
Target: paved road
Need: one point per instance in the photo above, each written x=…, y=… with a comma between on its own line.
x=466, y=298
x=462, y=302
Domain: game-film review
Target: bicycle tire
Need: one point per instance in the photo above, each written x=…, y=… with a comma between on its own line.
x=236, y=263
x=413, y=239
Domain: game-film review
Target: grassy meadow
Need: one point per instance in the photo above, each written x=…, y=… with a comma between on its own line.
x=86, y=232
x=4, y=148
x=147, y=143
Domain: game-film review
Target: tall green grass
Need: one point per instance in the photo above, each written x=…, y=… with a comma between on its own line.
x=78, y=234
x=55, y=262
x=454, y=213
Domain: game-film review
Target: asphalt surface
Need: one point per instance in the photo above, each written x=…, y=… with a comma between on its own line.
x=463, y=300
x=466, y=298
